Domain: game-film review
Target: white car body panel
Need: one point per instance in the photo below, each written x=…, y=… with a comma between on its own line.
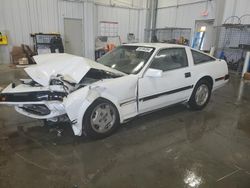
x=55, y=107
x=131, y=94
x=72, y=67
x=169, y=81
x=106, y=89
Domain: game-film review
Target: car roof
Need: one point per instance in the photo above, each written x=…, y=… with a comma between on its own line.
x=155, y=45
x=165, y=45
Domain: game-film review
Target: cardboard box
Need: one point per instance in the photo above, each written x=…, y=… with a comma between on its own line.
x=247, y=76
x=23, y=61
x=16, y=54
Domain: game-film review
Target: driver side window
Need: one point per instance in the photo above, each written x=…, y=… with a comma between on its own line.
x=170, y=59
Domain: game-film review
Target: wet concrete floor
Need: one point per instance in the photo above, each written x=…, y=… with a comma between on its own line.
x=174, y=147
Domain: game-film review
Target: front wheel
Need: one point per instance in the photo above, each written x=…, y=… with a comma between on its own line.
x=201, y=95
x=101, y=119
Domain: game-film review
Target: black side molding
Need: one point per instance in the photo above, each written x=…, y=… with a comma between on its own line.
x=127, y=102
x=166, y=93
x=226, y=77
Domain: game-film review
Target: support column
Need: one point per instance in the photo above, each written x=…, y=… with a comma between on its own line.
x=89, y=35
x=219, y=16
x=154, y=17
x=151, y=20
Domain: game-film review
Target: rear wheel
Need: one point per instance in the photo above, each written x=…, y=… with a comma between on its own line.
x=201, y=95
x=101, y=119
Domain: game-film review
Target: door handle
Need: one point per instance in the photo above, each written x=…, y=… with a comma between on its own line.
x=187, y=74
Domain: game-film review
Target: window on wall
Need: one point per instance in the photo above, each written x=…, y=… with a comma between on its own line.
x=169, y=59
x=200, y=57
x=109, y=29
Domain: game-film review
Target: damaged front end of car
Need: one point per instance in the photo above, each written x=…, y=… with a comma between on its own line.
x=52, y=80
x=33, y=100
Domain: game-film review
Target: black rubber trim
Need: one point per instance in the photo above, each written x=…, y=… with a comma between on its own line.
x=37, y=109
x=166, y=93
x=152, y=111
x=226, y=77
x=126, y=102
x=220, y=78
x=32, y=96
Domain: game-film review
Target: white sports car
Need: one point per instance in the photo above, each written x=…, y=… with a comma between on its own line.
x=131, y=80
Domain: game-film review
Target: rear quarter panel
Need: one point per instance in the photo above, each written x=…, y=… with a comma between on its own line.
x=215, y=69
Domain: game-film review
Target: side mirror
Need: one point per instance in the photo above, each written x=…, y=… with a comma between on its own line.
x=154, y=73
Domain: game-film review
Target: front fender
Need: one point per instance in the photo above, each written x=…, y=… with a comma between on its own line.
x=78, y=102
x=120, y=91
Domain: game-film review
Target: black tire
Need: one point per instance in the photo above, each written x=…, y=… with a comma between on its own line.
x=90, y=129
x=193, y=104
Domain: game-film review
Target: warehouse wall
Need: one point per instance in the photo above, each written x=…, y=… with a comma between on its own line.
x=3, y=49
x=128, y=19
x=183, y=13
x=122, y=3
x=25, y=16
x=237, y=8
x=19, y=18
x=130, y=15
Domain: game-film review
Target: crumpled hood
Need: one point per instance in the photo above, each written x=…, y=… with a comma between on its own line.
x=70, y=66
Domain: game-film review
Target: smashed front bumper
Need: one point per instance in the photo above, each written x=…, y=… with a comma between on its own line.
x=34, y=102
x=41, y=110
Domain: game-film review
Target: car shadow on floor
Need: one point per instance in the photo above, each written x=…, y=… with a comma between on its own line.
x=62, y=134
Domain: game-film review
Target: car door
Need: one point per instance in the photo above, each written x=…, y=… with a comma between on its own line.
x=173, y=86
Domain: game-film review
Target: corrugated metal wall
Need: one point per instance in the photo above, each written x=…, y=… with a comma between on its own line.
x=28, y=16
x=187, y=11
x=128, y=19
x=68, y=10
x=19, y=18
x=237, y=8
x=124, y=3
x=183, y=15
x=23, y=17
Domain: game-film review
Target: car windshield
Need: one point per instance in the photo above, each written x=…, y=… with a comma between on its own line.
x=127, y=59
